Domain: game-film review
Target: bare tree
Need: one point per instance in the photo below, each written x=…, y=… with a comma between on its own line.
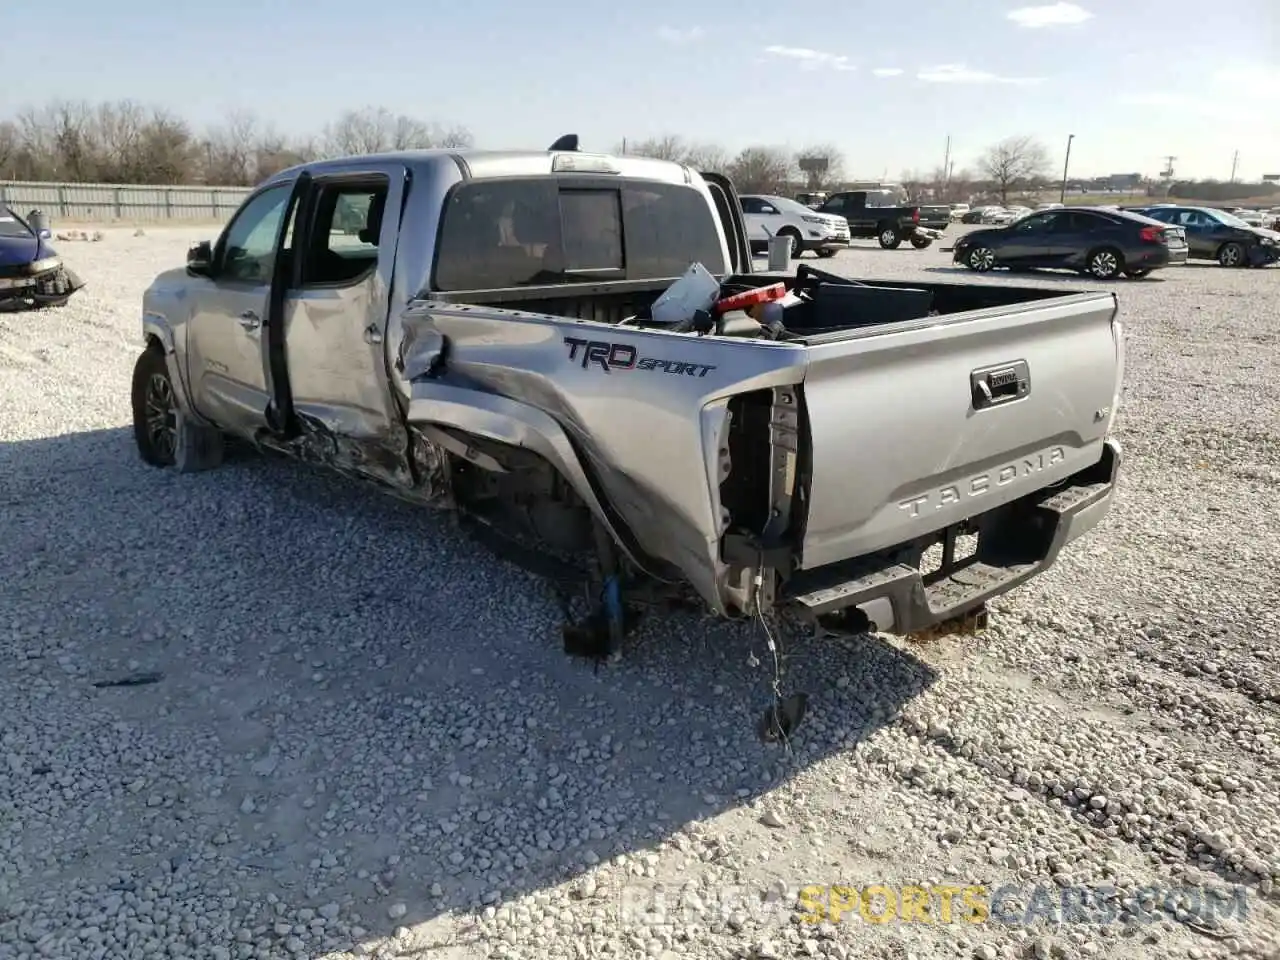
x=708, y=158
x=377, y=129
x=10, y=150
x=129, y=142
x=667, y=147
x=1017, y=160
x=835, y=166
x=762, y=170
x=701, y=156
x=229, y=150
x=915, y=183
x=165, y=151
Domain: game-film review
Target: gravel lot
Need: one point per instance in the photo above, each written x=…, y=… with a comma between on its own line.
x=364, y=738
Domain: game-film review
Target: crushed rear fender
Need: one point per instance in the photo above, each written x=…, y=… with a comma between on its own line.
x=517, y=424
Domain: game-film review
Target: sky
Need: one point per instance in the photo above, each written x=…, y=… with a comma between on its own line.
x=885, y=83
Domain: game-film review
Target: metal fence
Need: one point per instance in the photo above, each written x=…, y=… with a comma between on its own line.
x=104, y=202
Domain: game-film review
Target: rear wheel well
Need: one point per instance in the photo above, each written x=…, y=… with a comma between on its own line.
x=532, y=493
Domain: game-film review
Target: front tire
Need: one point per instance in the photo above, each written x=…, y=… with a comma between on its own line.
x=155, y=410
x=889, y=237
x=980, y=259
x=827, y=254
x=1136, y=274
x=1231, y=255
x=921, y=243
x=1105, y=264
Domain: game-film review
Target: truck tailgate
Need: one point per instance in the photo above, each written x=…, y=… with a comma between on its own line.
x=914, y=429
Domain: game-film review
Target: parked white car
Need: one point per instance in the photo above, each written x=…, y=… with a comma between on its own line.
x=769, y=216
x=958, y=210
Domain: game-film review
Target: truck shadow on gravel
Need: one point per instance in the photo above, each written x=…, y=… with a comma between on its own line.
x=361, y=707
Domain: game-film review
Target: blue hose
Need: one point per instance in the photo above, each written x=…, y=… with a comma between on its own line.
x=613, y=601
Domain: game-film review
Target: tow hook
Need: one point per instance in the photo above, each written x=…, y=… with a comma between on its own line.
x=967, y=624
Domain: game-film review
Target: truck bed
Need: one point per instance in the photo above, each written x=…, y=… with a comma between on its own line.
x=921, y=406
x=862, y=304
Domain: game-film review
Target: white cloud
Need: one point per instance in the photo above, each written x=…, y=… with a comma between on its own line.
x=959, y=73
x=1052, y=15
x=681, y=36
x=812, y=59
x=887, y=72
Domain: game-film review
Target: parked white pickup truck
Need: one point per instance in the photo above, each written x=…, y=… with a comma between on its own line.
x=486, y=343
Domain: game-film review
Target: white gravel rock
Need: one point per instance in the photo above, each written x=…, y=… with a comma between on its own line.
x=453, y=777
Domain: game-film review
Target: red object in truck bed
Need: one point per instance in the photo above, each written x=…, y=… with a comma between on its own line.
x=750, y=298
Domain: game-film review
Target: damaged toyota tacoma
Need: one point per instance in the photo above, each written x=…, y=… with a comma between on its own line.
x=31, y=272
x=571, y=352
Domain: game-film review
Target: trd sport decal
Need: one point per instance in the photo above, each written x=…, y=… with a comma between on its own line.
x=623, y=356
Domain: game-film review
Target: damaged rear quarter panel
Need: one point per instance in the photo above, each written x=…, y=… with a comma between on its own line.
x=648, y=425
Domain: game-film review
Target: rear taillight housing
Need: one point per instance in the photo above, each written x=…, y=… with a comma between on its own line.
x=915, y=215
x=1153, y=235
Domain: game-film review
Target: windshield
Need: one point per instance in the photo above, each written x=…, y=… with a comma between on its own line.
x=11, y=225
x=789, y=206
x=881, y=198
x=1223, y=217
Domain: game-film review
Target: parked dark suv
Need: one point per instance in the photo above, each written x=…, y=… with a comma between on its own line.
x=1100, y=243
x=1217, y=235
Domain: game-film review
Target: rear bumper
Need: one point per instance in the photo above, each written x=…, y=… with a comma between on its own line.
x=1017, y=542
x=1153, y=257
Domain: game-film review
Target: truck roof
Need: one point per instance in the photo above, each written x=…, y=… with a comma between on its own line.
x=482, y=164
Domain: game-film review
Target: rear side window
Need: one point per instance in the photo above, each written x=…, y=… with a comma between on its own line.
x=519, y=232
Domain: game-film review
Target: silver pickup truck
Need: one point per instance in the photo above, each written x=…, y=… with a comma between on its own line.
x=485, y=344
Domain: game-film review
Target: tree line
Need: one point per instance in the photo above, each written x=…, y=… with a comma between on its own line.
x=129, y=142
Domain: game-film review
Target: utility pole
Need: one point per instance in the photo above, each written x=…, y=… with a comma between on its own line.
x=1167, y=173
x=1235, y=161
x=946, y=167
x=624, y=146
x=1062, y=194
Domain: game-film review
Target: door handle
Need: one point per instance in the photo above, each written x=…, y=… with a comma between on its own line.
x=250, y=320
x=992, y=386
x=372, y=334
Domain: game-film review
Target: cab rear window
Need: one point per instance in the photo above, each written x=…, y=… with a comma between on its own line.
x=534, y=231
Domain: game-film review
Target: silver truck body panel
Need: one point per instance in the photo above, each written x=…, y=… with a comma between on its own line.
x=649, y=438
x=898, y=450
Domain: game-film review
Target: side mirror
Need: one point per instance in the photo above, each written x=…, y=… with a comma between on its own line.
x=200, y=259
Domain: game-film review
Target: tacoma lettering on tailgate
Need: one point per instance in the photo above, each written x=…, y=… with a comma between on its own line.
x=980, y=483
